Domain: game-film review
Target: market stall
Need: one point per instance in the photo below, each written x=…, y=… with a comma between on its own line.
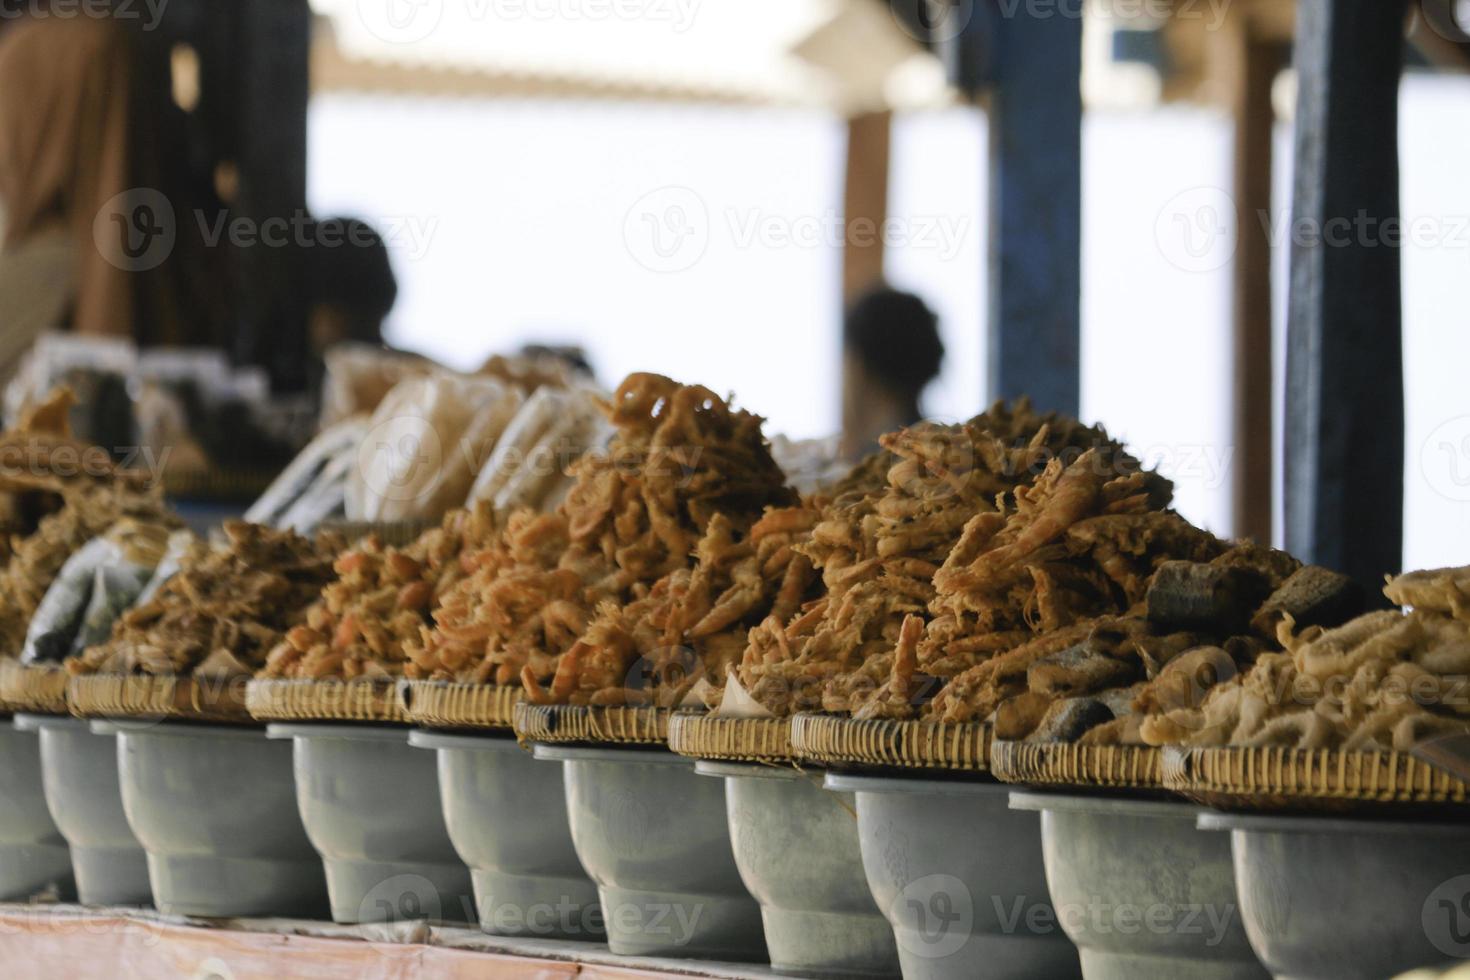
x=505, y=673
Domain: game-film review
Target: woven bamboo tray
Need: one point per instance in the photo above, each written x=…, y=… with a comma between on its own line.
x=278, y=699
x=217, y=485
x=1331, y=780
x=444, y=704
x=574, y=723
x=393, y=534
x=163, y=697
x=1068, y=764
x=39, y=688
x=894, y=744
x=706, y=736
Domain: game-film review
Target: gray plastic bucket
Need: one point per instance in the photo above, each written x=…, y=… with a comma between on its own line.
x=960, y=877
x=1142, y=893
x=1349, y=899
x=507, y=816
x=79, y=770
x=654, y=837
x=33, y=854
x=214, y=807
x=370, y=805
x=796, y=845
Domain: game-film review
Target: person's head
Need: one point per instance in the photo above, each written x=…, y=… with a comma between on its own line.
x=351, y=287
x=892, y=337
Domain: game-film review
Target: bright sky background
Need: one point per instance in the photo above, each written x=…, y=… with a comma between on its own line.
x=513, y=221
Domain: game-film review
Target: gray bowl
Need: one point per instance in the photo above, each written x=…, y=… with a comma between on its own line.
x=1142, y=893
x=1342, y=899
x=796, y=845
x=959, y=875
x=33, y=854
x=214, y=807
x=654, y=837
x=507, y=816
x=370, y=805
x=79, y=770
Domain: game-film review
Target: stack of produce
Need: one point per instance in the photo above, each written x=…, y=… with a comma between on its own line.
x=1384, y=680
x=380, y=600
x=879, y=542
x=56, y=494
x=683, y=476
x=224, y=610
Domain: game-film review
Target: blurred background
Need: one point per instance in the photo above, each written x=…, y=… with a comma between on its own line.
x=669, y=185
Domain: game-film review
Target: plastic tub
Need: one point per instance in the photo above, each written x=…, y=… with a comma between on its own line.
x=654, y=837
x=33, y=854
x=960, y=877
x=1342, y=899
x=1140, y=891
x=796, y=845
x=79, y=770
x=507, y=816
x=370, y=805
x=214, y=807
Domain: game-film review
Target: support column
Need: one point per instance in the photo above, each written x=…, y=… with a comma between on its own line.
x=1345, y=397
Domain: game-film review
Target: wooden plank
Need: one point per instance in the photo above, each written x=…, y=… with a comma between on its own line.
x=864, y=202
x=1035, y=122
x=1255, y=62
x=1345, y=406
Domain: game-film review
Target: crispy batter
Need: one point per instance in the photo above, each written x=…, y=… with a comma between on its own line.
x=381, y=599
x=1381, y=681
x=879, y=545
x=223, y=611
x=632, y=565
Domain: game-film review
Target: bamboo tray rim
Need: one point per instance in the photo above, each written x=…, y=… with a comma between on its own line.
x=1084, y=767
x=705, y=735
x=592, y=725
x=33, y=688
x=1274, y=778
x=161, y=696
x=368, y=700
x=916, y=744
x=458, y=704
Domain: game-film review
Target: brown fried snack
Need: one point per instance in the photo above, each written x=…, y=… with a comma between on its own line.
x=1384, y=680
x=693, y=623
x=880, y=543
x=631, y=523
x=86, y=511
x=381, y=600
x=224, y=610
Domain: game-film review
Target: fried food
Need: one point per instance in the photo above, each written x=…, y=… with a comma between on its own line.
x=381, y=600
x=632, y=565
x=1383, y=680
x=223, y=611
x=886, y=532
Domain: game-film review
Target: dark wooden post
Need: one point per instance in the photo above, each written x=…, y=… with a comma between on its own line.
x=864, y=202
x=272, y=88
x=1027, y=59
x=1255, y=63
x=1345, y=406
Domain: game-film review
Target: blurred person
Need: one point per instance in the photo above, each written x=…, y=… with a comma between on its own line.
x=890, y=352
x=351, y=288
x=64, y=92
